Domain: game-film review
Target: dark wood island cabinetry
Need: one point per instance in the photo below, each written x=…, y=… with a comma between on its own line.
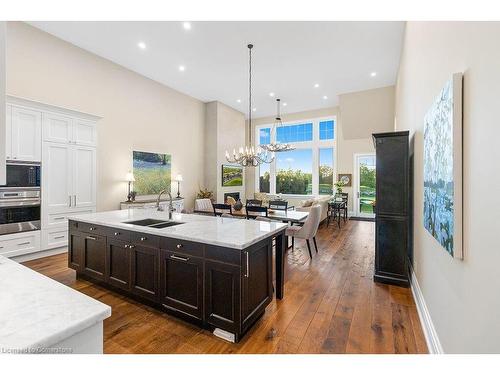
x=213, y=286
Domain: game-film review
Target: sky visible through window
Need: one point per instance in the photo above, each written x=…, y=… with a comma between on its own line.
x=326, y=130
x=294, y=133
x=295, y=160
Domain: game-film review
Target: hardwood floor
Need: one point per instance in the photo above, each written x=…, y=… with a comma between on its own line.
x=331, y=305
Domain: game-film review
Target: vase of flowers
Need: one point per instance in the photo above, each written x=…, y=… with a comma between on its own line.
x=204, y=193
x=338, y=187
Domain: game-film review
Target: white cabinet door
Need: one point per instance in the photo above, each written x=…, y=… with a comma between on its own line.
x=84, y=133
x=57, y=128
x=57, y=179
x=8, y=133
x=26, y=129
x=84, y=176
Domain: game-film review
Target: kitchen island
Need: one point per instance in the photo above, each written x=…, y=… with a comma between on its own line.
x=40, y=315
x=212, y=271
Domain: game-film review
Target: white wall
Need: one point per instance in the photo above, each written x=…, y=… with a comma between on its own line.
x=225, y=130
x=137, y=113
x=2, y=103
x=462, y=296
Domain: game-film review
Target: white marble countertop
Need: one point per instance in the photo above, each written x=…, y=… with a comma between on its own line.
x=38, y=312
x=220, y=231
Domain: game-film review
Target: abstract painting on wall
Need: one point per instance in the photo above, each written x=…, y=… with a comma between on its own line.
x=443, y=167
x=152, y=172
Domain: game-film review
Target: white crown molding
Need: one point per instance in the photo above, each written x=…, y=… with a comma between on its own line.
x=34, y=104
x=431, y=336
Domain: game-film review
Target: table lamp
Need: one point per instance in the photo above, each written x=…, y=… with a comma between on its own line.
x=129, y=178
x=178, y=179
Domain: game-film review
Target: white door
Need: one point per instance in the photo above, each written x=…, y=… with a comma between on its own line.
x=57, y=180
x=84, y=133
x=8, y=133
x=84, y=175
x=364, y=184
x=26, y=129
x=57, y=128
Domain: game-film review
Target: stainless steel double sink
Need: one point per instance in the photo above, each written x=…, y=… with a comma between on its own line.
x=153, y=223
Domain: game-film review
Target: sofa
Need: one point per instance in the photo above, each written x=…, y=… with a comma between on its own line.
x=299, y=203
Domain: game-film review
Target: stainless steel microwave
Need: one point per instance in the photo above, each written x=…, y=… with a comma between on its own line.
x=23, y=175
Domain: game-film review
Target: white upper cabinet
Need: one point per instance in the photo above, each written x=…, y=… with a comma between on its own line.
x=63, y=129
x=84, y=176
x=25, y=134
x=57, y=128
x=84, y=133
x=8, y=133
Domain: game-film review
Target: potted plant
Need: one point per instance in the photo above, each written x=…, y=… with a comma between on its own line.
x=204, y=193
x=338, y=187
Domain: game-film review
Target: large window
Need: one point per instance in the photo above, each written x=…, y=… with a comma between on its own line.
x=325, y=173
x=294, y=172
x=307, y=170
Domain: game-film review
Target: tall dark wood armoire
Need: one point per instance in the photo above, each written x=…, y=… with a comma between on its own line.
x=393, y=222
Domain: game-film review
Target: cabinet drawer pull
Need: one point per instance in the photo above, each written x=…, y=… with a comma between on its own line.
x=60, y=218
x=92, y=228
x=56, y=238
x=117, y=233
x=126, y=246
x=24, y=243
x=91, y=238
x=69, y=196
x=179, y=246
x=144, y=238
x=131, y=246
x=248, y=266
x=179, y=258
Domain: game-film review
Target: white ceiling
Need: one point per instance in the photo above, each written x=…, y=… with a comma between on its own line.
x=289, y=57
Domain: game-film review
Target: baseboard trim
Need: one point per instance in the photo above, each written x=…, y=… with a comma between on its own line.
x=431, y=336
x=40, y=254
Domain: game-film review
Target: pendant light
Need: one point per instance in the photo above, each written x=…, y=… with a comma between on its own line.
x=250, y=156
x=274, y=146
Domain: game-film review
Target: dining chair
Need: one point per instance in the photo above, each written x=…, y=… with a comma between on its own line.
x=220, y=208
x=345, y=198
x=278, y=205
x=308, y=230
x=254, y=202
x=255, y=211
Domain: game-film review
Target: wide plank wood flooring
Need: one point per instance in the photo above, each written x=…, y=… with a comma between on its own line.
x=331, y=305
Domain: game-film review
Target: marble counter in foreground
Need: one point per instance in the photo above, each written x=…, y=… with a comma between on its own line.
x=38, y=312
x=219, y=231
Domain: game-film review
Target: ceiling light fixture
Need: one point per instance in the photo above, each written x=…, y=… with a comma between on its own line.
x=316, y=85
x=271, y=94
x=325, y=97
x=373, y=74
x=250, y=156
x=284, y=104
x=182, y=68
x=141, y=45
x=186, y=25
x=273, y=146
x=238, y=100
x=254, y=109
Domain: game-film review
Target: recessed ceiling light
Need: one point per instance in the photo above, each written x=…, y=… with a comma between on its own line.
x=325, y=97
x=238, y=100
x=271, y=94
x=254, y=109
x=284, y=104
x=141, y=45
x=186, y=25
x=182, y=68
x=373, y=74
x=316, y=85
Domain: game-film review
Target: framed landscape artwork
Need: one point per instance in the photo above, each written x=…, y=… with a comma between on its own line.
x=443, y=168
x=152, y=172
x=232, y=175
